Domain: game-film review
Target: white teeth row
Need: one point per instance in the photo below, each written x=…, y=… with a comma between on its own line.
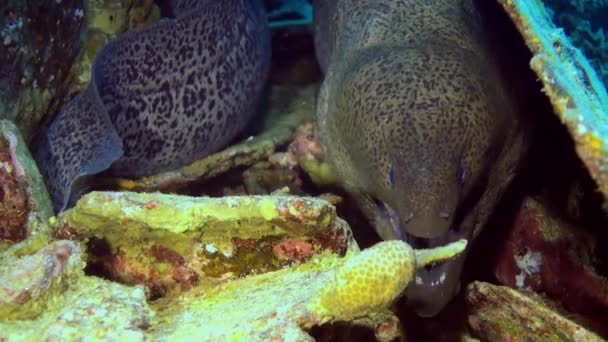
x=433, y=283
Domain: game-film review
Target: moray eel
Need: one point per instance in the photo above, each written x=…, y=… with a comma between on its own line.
x=160, y=97
x=417, y=122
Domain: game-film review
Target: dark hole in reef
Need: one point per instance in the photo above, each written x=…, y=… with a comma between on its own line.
x=342, y=331
x=97, y=250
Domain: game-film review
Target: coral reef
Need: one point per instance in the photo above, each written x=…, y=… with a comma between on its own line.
x=324, y=277
x=169, y=242
x=263, y=267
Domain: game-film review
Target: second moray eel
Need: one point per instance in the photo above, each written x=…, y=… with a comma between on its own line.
x=161, y=97
x=417, y=121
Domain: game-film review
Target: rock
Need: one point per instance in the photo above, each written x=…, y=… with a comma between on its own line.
x=547, y=255
x=30, y=284
x=25, y=207
x=91, y=309
x=498, y=313
x=44, y=62
x=39, y=40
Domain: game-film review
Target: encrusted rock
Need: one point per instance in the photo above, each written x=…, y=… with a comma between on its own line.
x=171, y=241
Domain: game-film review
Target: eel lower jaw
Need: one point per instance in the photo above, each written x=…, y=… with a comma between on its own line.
x=433, y=286
x=433, y=289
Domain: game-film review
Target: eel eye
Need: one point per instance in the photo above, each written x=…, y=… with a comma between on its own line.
x=391, y=176
x=463, y=173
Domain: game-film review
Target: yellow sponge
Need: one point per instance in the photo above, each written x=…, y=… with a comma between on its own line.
x=366, y=282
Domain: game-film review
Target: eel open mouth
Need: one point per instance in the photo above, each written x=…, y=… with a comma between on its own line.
x=433, y=275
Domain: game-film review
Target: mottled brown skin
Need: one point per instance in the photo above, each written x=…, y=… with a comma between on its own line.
x=415, y=119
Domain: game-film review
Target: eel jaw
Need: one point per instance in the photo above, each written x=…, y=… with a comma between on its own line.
x=433, y=286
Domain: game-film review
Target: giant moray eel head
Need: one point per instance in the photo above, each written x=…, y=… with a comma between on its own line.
x=412, y=136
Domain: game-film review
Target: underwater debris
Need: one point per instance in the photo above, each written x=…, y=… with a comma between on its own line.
x=547, y=255
x=578, y=96
x=499, y=313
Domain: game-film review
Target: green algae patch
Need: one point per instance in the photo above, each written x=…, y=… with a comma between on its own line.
x=175, y=243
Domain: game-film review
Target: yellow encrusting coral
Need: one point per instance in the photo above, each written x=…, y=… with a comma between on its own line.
x=371, y=280
x=367, y=281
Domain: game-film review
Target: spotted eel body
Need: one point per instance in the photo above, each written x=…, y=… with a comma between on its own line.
x=418, y=124
x=161, y=97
